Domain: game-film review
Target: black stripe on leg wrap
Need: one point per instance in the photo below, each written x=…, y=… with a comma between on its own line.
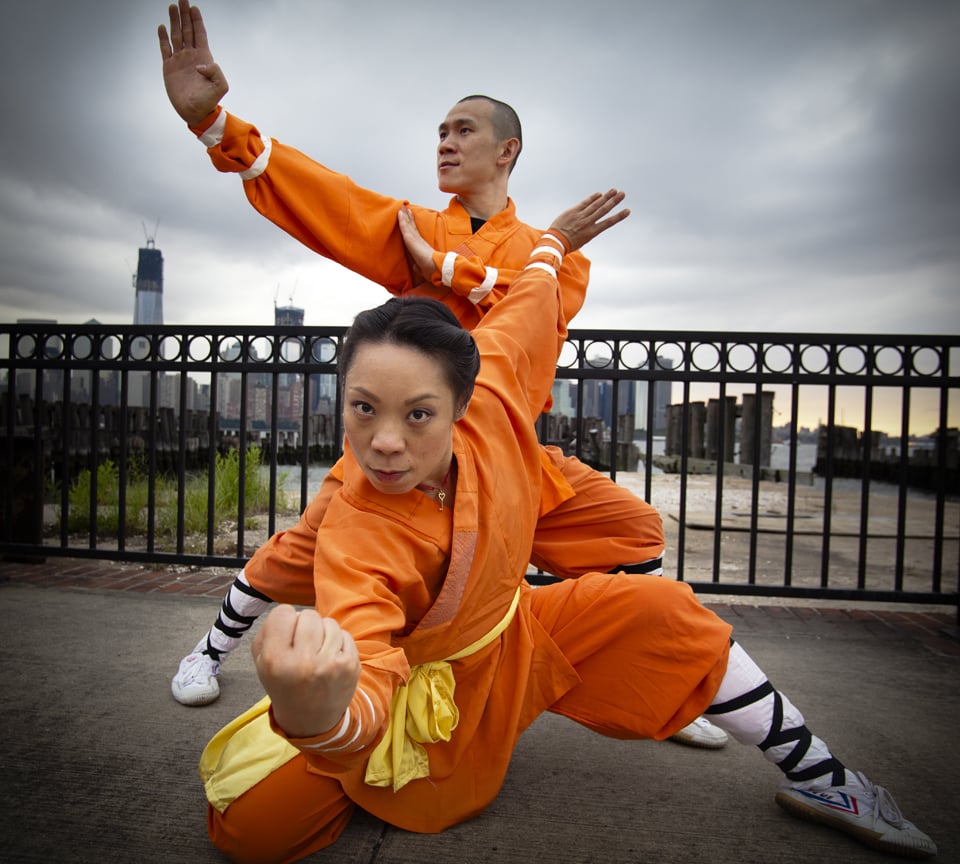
x=742, y=701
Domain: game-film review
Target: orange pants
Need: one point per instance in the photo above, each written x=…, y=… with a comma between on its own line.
x=650, y=659
x=602, y=528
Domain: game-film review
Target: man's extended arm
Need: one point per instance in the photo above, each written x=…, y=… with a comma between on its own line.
x=324, y=210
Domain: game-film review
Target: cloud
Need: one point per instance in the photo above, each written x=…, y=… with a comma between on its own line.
x=789, y=165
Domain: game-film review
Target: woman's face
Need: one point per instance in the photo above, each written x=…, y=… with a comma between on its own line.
x=398, y=414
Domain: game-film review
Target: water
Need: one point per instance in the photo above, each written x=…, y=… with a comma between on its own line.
x=288, y=478
x=806, y=457
x=779, y=455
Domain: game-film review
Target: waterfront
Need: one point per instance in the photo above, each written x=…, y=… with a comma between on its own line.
x=769, y=509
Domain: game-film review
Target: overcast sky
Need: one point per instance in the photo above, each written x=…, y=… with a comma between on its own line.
x=792, y=165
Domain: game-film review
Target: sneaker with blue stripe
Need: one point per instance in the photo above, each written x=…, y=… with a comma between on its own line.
x=862, y=809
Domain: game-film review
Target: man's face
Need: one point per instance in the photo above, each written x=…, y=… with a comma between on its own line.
x=468, y=150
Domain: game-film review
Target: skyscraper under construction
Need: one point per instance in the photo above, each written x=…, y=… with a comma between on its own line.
x=147, y=311
x=149, y=285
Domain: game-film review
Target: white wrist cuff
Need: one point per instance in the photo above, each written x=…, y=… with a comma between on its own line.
x=214, y=135
x=260, y=165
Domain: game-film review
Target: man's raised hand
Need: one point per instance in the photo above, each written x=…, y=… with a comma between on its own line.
x=584, y=221
x=420, y=252
x=195, y=84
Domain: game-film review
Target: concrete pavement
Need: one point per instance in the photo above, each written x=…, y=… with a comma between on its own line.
x=99, y=762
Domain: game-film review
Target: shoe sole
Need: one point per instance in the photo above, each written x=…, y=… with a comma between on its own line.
x=869, y=838
x=196, y=700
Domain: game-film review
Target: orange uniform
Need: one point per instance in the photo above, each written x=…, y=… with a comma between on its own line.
x=628, y=655
x=587, y=522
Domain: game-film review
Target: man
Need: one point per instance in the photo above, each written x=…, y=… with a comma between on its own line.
x=587, y=523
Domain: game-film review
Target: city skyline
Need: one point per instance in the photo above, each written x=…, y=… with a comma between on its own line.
x=886, y=417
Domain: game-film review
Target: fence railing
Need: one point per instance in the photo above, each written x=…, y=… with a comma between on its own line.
x=784, y=464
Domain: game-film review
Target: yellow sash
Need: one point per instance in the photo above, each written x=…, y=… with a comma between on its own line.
x=423, y=711
x=246, y=750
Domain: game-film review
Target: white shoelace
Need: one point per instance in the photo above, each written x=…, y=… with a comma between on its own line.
x=884, y=805
x=204, y=667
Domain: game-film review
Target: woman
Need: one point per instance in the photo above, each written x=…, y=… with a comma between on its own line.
x=432, y=654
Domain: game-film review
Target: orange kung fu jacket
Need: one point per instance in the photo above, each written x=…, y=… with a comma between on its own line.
x=413, y=584
x=357, y=228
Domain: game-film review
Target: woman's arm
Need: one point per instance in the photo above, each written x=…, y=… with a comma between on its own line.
x=525, y=330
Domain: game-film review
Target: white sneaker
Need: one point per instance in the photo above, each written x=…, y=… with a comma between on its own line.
x=701, y=733
x=864, y=810
x=196, y=680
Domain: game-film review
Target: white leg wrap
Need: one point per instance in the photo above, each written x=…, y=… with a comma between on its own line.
x=753, y=712
x=241, y=608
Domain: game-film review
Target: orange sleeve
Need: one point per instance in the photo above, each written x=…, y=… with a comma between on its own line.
x=522, y=338
x=356, y=227
x=324, y=210
x=485, y=286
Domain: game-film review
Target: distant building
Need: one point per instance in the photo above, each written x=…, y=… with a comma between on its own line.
x=290, y=407
x=598, y=394
x=288, y=316
x=564, y=395
x=147, y=311
x=80, y=381
x=148, y=308
x=633, y=397
x=25, y=382
x=323, y=388
x=662, y=393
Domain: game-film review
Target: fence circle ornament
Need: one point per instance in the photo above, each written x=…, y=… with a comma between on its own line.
x=109, y=348
x=80, y=347
x=598, y=354
x=323, y=350
x=262, y=348
x=852, y=360
x=814, y=359
x=926, y=361
x=170, y=347
x=229, y=349
x=742, y=357
x=705, y=357
x=291, y=349
x=53, y=347
x=200, y=348
x=139, y=347
x=633, y=355
x=569, y=355
x=778, y=358
x=25, y=347
x=668, y=359
x=889, y=360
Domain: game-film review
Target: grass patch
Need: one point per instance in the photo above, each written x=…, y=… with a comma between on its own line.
x=228, y=486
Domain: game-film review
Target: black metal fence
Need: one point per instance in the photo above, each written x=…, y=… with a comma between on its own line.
x=784, y=464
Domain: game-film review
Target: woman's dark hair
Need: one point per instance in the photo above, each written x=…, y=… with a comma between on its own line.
x=426, y=325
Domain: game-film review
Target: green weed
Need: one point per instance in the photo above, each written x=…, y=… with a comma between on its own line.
x=196, y=502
